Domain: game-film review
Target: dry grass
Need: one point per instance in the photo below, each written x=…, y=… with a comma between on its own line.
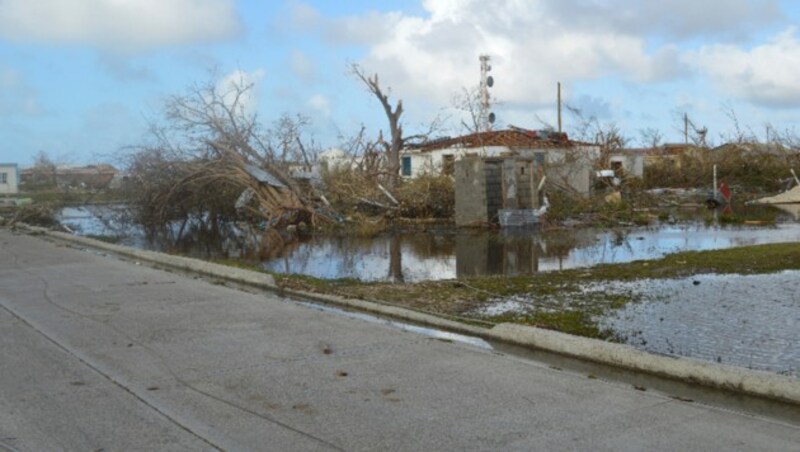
x=427, y=196
x=751, y=170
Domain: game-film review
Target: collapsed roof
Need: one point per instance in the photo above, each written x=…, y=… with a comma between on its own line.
x=513, y=137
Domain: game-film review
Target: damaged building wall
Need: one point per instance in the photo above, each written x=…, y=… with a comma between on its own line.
x=478, y=191
x=484, y=186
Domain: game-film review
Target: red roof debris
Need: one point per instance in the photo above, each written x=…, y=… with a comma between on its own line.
x=511, y=138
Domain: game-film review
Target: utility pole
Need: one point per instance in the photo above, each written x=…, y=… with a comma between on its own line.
x=686, y=128
x=559, y=107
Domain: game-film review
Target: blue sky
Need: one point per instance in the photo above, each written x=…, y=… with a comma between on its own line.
x=81, y=79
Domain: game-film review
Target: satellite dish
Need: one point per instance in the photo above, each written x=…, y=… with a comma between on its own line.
x=492, y=118
x=490, y=81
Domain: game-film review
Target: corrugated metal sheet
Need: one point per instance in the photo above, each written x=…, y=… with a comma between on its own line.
x=263, y=176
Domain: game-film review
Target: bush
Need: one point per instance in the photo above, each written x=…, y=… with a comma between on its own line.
x=753, y=168
x=427, y=196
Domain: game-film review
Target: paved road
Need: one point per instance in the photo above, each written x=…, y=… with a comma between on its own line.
x=102, y=354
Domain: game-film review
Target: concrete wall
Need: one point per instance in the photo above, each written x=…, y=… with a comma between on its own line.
x=431, y=162
x=485, y=185
x=471, y=198
x=633, y=165
x=479, y=191
x=9, y=172
x=572, y=168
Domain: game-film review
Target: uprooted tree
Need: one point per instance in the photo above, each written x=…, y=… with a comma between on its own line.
x=210, y=160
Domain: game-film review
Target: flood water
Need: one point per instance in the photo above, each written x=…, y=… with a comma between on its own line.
x=437, y=254
x=458, y=254
x=747, y=321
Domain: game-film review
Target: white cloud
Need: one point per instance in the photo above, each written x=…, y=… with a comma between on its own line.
x=243, y=84
x=118, y=25
x=766, y=74
x=321, y=104
x=681, y=19
x=432, y=57
x=303, y=16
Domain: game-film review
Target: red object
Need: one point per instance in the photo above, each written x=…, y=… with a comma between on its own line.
x=725, y=191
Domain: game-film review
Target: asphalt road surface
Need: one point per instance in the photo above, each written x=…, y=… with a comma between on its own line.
x=104, y=354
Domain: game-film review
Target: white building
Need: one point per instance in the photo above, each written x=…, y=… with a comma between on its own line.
x=568, y=164
x=335, y=159
x=9, y=179
x=630, y=161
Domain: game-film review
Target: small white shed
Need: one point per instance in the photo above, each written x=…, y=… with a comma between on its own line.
x=9, y=179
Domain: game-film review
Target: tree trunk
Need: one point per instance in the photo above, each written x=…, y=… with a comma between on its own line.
x=393, y=114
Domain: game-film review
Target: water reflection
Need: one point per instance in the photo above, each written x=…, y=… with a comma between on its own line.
x=433, y=255
x=458, y=254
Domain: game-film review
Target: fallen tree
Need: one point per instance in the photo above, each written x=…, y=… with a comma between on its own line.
x=210, y=161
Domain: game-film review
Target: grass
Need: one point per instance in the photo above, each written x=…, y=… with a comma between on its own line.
x=578, y=323
x=113, y=239
x=566, y=301
x=74, y=196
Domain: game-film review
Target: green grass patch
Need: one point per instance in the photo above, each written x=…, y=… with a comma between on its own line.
x=113, y=239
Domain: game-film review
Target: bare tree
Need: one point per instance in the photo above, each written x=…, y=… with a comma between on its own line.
x=608, y=136
x=286, y=144
x=468, y=101
x=650, y=137
x=740, y=134
x=199, y=163
x=43, y=173
x=363, y=152
x=396, y=140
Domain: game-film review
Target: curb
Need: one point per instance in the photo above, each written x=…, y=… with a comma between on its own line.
x=735, y=379
x=233, y=274
x=720, y=376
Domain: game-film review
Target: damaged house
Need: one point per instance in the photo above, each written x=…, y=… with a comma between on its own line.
x=500, y=174
x=66, y=176
x=635, y=161
x=567, y=164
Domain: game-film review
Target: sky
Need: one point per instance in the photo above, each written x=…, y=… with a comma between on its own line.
x=81, y=80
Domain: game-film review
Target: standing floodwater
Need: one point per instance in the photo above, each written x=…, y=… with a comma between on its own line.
x=748, y=321
x=456, y=254
x=435, y=254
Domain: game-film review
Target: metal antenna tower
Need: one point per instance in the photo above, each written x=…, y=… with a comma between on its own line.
x=486, y=118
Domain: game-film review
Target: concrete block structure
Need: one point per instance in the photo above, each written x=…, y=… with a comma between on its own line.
x=486, y=185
